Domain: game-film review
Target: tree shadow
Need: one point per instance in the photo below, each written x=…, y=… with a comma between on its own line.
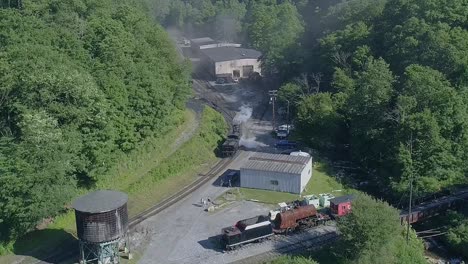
x=48, y=245
x=230, y=178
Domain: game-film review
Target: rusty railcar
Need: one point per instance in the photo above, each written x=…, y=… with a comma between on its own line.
x=301, y=216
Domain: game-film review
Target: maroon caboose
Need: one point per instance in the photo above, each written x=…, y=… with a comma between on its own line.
x=340, y=206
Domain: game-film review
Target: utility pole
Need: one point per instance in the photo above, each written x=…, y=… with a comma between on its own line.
x=273, y=94
x=411, y=188
x=288, y=115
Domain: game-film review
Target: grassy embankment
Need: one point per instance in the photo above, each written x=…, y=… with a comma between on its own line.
x=321, y=182
x=147, y=175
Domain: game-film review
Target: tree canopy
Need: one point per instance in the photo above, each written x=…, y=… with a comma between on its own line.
x=80, y=83
x=372, y=233
x=394, y=75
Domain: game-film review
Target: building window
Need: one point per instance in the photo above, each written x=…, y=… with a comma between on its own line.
x=236, y=73
x=274, y=182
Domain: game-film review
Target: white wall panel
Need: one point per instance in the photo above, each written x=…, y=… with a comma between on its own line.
x=226, y=67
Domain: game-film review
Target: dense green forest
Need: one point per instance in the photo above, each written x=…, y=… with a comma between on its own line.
x=81, y=82
x=395, y=79
x=382, y=84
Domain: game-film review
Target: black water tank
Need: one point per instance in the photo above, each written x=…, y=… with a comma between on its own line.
x=101, y=216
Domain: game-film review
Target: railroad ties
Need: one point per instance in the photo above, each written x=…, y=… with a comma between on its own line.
x=304, y=240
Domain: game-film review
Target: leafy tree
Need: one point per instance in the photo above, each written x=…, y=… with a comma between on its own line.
x=413, y=94
x=318, y=120
x=372, y=233
x=275, y=30
x=432, y=115
x=82, y=82
x=34, y=175
x=429, y=33
x=351, y=11
x=367, y=94
x=457, y=235
x=228, y=21
x=293, y=260
x=291, y=92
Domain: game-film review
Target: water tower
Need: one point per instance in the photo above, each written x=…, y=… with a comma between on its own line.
x=102, y=224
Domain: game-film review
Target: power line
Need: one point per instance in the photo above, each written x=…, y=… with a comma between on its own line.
x=273, y=94
x=411, y=189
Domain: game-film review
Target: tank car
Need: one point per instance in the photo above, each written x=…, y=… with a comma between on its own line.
x=246, y=231
x=298, y=217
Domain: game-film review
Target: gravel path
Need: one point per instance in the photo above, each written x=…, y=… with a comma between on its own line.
x=191, y=128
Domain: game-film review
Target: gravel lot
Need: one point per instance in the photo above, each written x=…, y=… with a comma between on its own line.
x=186, y=233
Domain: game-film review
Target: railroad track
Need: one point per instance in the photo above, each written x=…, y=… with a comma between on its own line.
x=134, y=221
x=215, y=103
x=296, y=248
x=184, y=192
x=71, y=253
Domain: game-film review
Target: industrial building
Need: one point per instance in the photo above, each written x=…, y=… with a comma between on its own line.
x=276, y=172
x=232, y=62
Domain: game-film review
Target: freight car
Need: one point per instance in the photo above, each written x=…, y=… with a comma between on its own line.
x=432, y=208
x=246, y=231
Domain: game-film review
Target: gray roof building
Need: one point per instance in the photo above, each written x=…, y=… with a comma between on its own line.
x=277, y=163
x=230, y=53
x=276, y=172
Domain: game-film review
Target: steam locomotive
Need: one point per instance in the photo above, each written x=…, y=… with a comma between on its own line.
x=231, y=145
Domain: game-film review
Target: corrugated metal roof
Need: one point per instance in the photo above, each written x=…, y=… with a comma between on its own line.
x=342, y=199
x=231, y=53
x=276, y=163
x=100, y=201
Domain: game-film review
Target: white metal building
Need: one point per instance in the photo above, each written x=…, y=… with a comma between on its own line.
x=276, y=172
x=232, y=61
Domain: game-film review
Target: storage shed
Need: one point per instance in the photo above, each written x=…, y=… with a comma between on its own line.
x=233, y=61
x=276, y=172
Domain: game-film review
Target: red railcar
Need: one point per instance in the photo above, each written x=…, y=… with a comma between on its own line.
x=341, y=206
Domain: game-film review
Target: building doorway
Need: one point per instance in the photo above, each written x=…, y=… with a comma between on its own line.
x=247, y=70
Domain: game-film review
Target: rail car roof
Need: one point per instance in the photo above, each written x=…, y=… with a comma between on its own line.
x=462, y=195
x=342, y=199
x=276, y=163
